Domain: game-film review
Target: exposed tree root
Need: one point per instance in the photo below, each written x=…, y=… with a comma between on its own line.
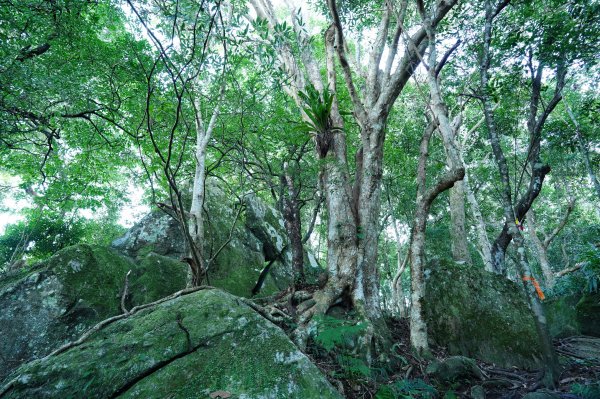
x=107, y=322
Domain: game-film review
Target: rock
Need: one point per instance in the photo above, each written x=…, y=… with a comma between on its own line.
x=56, y=300
x=542, y=394
x=477, y=392
x=258, y=237
x=561, y=316
x=481, y=315
x=588, y=314
x=454, y=369
x=188, y=347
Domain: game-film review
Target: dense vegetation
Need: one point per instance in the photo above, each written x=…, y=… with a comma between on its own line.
x=390, y=135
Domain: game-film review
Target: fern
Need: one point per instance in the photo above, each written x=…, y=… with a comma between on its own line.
x=332, y=332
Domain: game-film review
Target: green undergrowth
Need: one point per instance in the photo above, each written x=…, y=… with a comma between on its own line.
x=590, y=391
x=407, y=389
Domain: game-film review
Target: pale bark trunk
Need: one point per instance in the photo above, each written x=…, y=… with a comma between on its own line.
x=542, y=246
x=196, y=215
x=425, y=197
x=485, y=248
x=541, y=250
x=458, y=233
x=397, y=288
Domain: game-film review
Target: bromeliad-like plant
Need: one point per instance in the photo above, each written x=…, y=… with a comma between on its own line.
x=317, y=107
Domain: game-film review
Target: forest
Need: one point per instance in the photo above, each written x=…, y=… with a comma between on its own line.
x=300, y=199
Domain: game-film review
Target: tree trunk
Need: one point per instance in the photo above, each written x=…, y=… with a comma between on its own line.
x=485, y=248
x=458, y=233
x=585, y=154
x=397, y=288
x=510, y=214
x=541, y=250
x=196, y=259
x=293, y=225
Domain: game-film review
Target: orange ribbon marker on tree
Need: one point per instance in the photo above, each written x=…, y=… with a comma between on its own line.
x=536, y=285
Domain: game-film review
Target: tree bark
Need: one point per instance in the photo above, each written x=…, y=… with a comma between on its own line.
x=458, y=233
x=485, y=248
x=541, y=250
x=542, y=246
x=510, y=214
x=353, y=204
x=583, y=149
x=293, y=225
x=196, y=215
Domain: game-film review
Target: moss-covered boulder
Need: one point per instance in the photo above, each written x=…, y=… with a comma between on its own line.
x=53, y=302
x=588, y=314
x=257, y=236
x=481, y=315
x=561, y=315
x=188, y=347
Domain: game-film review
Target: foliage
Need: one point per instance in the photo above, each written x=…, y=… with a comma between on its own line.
x=407, y=389
x=318, y=109
x=333, y=332
x=591, y=268
x=45, y=233
x=339, y=338
x=590, y=391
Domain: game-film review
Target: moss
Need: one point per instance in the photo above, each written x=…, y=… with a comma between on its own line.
x=479, y=314
x=71, y=291
x=92, y=276
x=561, y=316
x=179, y=349
x=588, y=314
x=155, y=277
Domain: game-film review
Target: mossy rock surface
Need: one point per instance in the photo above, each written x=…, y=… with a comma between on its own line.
x=58, y=299
x=588, y=314
x=188, y=347
x=241, y=247
x=561, y=315
x=481, y=315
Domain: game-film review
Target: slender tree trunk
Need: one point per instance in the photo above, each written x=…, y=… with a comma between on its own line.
x=584, y=153
x=485, y=248
x=397, y=288
x=458, y=233
x=550, y=359
x=418, y=326
x=542, y=246
x=196, y=258
x=541, y=250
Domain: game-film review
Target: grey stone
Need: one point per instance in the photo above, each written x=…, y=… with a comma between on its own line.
x=189, y=347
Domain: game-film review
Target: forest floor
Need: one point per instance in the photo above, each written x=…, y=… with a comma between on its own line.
x=579, y=359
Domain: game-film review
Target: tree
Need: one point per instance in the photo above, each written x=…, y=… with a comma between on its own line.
x=353, y=208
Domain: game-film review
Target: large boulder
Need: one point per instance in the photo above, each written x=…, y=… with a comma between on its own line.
x=481, y=315
x=257, y=237
x=588, y=314
x=203, y=343
x=56, y=300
